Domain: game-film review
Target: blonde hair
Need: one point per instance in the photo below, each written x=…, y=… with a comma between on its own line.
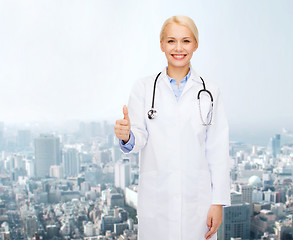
x=182, y=20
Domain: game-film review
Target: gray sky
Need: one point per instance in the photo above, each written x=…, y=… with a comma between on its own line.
x=63, y=60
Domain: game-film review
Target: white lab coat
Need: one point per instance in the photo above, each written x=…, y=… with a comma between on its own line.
x=184, y=166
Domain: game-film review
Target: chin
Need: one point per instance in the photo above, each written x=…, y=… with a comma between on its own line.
x=179, y=65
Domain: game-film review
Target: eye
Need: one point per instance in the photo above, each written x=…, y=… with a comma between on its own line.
x=170, y=41
x=187, y=41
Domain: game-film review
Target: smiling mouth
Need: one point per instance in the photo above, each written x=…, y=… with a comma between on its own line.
x=178, y=56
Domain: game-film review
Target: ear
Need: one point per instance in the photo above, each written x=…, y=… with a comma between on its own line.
x=162, y=47
x=196, y=46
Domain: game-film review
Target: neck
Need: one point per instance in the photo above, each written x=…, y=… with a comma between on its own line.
x=178, y=73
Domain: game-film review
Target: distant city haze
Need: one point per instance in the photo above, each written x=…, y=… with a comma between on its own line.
x=76, y=60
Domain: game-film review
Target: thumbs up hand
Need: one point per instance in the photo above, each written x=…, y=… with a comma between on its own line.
x=122, y=126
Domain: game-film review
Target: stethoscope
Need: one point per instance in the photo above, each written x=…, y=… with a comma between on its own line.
x=152, y=113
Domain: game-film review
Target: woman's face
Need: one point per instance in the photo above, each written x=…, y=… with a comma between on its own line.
x=178, y=44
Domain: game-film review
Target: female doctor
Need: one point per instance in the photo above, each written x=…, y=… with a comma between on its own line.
x=183, y=141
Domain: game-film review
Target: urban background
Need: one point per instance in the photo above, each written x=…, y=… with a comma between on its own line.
x=66, y=70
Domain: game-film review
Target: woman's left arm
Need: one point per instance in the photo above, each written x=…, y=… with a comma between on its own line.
x=217, y=155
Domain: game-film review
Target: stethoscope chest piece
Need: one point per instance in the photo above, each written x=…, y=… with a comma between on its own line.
x=152, y=113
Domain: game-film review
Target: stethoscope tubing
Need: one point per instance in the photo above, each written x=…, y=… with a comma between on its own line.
x=154, y=91
x=152, y=112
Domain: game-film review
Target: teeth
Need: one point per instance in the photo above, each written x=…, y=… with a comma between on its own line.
x=178, y=56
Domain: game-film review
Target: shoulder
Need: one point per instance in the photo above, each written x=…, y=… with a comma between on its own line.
x=215, y=90
x=144, y=82
x=210, y=84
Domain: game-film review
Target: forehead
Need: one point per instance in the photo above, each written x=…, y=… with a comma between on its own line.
x=177, y=30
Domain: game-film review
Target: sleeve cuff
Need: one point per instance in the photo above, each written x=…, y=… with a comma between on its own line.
x=127, y=147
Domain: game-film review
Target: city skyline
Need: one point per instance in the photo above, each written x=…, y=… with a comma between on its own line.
x=257, y=137
x=79, y=185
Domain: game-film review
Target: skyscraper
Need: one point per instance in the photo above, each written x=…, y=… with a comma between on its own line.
x=274, y=146
x=47, y=153
x=122, y=174
x=236, y=222
x=71, y=162
x=246, y=191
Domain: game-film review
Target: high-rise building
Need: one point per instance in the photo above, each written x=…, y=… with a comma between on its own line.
x=120, y=227
x=29, y=167
x=18, y=161
x=116, y=153
x=236, y=222
x=31, y=225
x=236, y=197
x=246, y=191
x=257, y=195
x=71, y=162
x=274, y=146
x=122, y=174
x=47, y=153
x=267, y=178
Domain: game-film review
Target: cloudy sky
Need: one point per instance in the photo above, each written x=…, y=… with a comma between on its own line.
x=63, y=60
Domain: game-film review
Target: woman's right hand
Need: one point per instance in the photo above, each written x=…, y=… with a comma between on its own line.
x=122, y=126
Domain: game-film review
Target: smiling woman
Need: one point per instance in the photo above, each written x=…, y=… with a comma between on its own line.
x=185, y=182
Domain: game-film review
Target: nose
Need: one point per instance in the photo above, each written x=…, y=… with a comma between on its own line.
x=178, y=46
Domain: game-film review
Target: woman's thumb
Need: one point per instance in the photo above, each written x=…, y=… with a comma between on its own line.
x=125, y=112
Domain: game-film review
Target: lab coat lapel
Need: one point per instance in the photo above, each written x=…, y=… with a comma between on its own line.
x=165, y=78
x=193, y=80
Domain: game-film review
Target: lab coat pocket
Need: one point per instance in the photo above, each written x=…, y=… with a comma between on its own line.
x=190, y=201
x=147, y=196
